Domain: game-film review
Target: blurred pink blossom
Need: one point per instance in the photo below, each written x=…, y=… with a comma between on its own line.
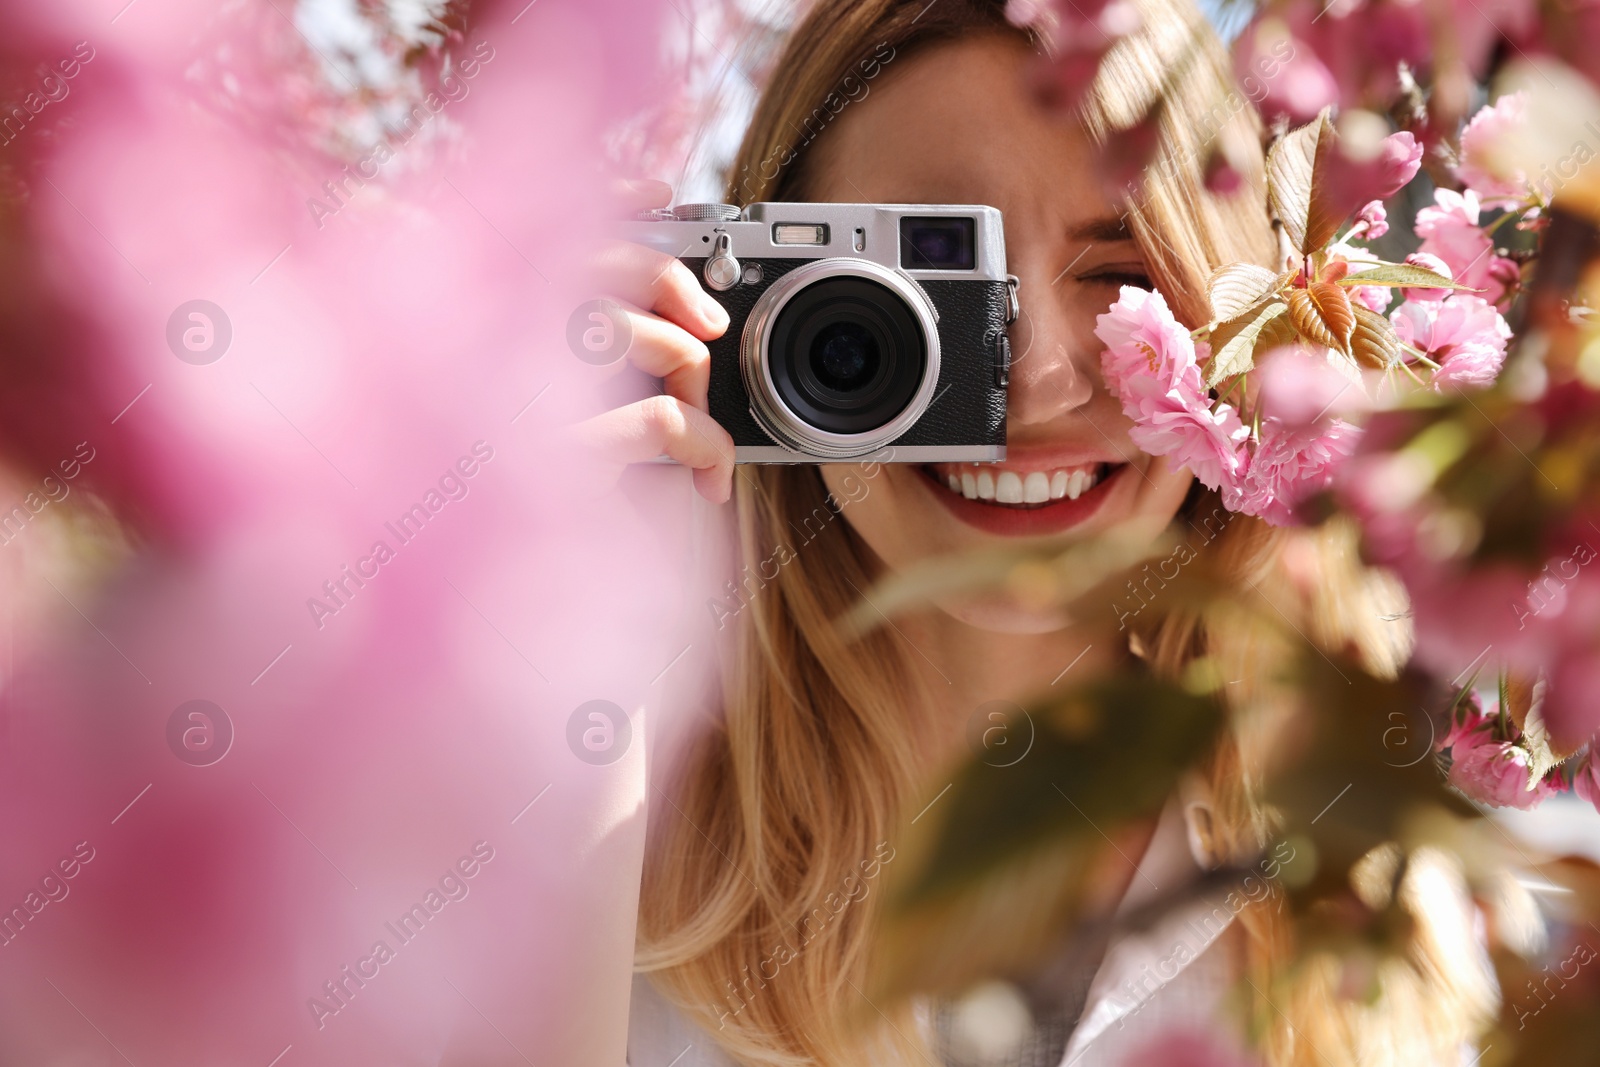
x=1299, y=385
x=1397, y=162
x=1586, y=782
x=372, y=361
x=1346, y=53
x=1077, y=35
x=1354, y=180
x=1191, y=1046
x=1281, y=73
x=1478, y=139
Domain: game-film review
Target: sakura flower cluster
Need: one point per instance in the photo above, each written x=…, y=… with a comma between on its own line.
x=1273, y=434
x=1152, y=365
x=1490, y=763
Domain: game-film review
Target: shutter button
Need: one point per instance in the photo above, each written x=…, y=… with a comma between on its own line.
x=722, y=270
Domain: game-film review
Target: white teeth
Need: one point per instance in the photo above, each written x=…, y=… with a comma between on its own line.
x=983, y=482
x=1036, y=488
x=1008, y=488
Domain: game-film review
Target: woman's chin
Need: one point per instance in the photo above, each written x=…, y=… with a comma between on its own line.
x=1004, y=613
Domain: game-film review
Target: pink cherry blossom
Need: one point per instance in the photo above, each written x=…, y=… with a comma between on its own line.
x=1467, y=718
x=1355, y=178
x=1478, y=141
x=1451, y=231
x=1464, y=334
x=1150, y=364
x=1372, y=221
x=1494, y=772
x=1144, y=341
x=1398, y=161
x=1288, y=465
x=1209, y=444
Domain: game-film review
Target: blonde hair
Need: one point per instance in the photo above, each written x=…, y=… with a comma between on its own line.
x=810, y=771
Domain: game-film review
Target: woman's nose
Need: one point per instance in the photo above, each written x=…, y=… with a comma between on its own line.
x=1054, y=360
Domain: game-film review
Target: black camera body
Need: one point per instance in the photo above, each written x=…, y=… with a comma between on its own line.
x=857, y=331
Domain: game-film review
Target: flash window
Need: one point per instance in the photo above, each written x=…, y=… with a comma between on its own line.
x=799, y=233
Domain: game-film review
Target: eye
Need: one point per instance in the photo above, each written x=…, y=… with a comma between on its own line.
x=1137, y=278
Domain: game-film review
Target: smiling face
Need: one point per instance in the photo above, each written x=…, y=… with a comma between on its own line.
x=954, y=123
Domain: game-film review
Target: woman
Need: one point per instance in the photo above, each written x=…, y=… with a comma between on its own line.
x=826, y=742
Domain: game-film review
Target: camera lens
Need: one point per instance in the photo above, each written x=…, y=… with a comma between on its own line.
x=846, y=355
x=839, y=358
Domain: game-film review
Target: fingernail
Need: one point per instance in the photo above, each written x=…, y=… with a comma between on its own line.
x=715, y=313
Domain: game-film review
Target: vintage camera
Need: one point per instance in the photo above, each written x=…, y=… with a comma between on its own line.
x=872, y=331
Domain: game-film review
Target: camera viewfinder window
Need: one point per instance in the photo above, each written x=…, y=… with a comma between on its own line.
x=938, y=243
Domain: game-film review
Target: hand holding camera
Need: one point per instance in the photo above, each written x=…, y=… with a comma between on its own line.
x=670, y=317
x=846, y=331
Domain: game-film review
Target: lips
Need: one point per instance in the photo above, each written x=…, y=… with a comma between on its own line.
x=1019, y=501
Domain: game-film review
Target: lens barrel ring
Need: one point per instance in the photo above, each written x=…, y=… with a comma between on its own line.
x=778, y=416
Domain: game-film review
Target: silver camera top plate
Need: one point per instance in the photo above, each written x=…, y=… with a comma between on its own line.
x=854, y=231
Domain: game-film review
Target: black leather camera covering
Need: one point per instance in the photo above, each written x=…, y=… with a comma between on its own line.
x=968, y=409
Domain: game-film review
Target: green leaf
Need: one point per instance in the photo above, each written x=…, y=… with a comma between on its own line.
x=1237, y=288
x=1233, y=343
x=1403, y=276
x=1294, y=166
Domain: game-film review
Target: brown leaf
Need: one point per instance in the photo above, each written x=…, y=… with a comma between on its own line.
x=1519, y=694
x=1321, y=312
x=1294, y=166
x=1238, y=288
x=1233, y=343
x=1373, y=343
x=1334, y=304
x=1524, y=701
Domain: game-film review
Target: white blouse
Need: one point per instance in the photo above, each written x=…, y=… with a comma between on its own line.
x=1174, y=973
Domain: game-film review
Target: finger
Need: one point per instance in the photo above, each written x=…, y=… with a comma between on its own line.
x=665, y=425
x=666, y=350
x=654, y=280
x=640, y=194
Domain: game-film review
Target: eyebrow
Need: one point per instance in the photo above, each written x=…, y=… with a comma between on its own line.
x=1111, y=228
